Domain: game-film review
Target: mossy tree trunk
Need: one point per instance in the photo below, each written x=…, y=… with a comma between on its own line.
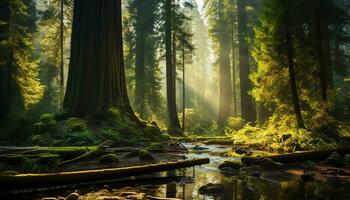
x=247, y=103
x=96, y=79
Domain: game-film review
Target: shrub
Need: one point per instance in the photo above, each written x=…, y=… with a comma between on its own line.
x=76, y=124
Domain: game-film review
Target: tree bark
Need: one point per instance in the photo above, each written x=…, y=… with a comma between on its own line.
x=140, y=61
x=96, y=79
x=321, y=58
x=235, y=105
x=225, y=101
x=174, y=123
x=290, y=57
x=247, y=104
x=62, y=52
x=5, y=75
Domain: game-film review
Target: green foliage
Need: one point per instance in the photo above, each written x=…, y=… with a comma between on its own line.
x=76, y=124
x=46, y=125
x=281, y=139
x=235, y=123
x=271, y=80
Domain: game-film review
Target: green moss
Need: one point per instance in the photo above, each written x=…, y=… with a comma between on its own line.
x=47, y=118
x=145, y=156
x=114, y=114
x=109, y=159
x=41, y=140
x=76, y=124
x=152, y=131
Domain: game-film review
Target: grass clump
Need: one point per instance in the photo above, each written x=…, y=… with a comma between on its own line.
x=76, y=124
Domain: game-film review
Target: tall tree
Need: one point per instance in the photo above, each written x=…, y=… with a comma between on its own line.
x=19, y=83
x=290, y=57
x=174, y=123
x=218, y=15
x=96, y=79
x=142, y=36
x=247, y=103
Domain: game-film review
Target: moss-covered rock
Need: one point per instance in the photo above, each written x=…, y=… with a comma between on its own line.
x=231, y=164
x=145, y=156
x=335, y=159
x=76, y=124
x=346, y=160
x=109, y=159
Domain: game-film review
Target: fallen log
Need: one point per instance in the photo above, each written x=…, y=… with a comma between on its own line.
x=64, y=178
x=296, y=157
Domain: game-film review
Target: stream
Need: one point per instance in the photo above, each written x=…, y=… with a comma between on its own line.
x=185, y=184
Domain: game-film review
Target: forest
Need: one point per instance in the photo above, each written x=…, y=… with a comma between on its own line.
x=174, y=99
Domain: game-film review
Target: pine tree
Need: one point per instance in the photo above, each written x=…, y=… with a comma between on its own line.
x=19, y=67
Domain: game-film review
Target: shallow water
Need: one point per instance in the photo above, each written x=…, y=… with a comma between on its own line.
x=186, y=183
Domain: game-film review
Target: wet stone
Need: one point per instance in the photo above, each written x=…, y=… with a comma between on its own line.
x=212, y=190
x=73, y=196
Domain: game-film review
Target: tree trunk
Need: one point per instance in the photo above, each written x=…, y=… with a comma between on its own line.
x=235, y=106
x=96, y=79
x=225, y=101
x=290, y=56
x=140, y=61
x=5, y=75
x=174, y=124
x=62, y=53
x=247, y=104
x=321, y=59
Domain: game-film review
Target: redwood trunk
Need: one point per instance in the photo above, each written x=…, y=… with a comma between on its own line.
x=96, y=79
x=247, y=104
x=174, y=123
x=140, y=61
x=225, y=101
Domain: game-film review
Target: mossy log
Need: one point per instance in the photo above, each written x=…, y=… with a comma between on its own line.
x=296, y=157
x=64, y=178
